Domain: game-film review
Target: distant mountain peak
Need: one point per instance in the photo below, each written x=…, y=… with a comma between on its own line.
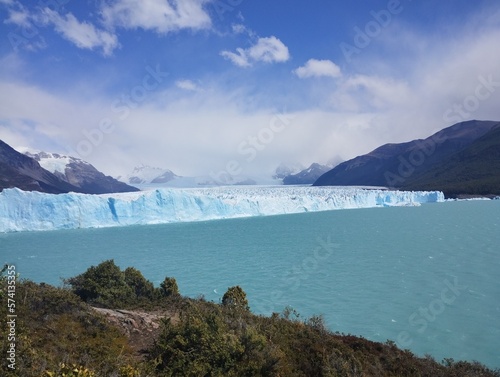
x=306, y=176
x=145, y=174
x=285, y=169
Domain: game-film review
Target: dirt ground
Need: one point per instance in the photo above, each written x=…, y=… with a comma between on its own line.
x=142, y=328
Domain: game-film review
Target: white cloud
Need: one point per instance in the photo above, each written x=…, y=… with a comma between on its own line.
x=18, y=14
x=239, y=28
x=160, y=15
x=83, y=34
x=192, y=135
x=268, y=50
x=19, y=17
x=239, y=58
x=377, y=92
x=318, y=68
x=384, y=99
x=187, y=85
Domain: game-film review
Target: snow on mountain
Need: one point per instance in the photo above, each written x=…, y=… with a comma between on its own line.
x=306, y=176
x=146, y=175
x=21, y=171
x=296, y=174
x=53, y=162
x=147, y=178
x=78, y=173
x=286, y=169
x=33, y=211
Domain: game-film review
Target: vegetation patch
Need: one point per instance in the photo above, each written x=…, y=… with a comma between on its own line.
x=61, y=334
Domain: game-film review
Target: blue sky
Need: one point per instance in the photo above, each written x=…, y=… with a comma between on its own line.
x=202, y=86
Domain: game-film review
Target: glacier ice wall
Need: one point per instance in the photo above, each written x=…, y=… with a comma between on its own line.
x=34, y=211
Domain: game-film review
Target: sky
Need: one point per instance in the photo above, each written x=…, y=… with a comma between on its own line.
x=239, y=86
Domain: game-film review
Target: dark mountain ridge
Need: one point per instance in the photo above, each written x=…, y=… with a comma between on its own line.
x=395, y=165
x=474, y=170
x=18, y=170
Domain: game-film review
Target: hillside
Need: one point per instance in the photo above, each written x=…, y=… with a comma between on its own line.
x=75, y=331
x=393, y=165
x=79, y=173
x=475, y=170
x=53, y=174
x=18, y=170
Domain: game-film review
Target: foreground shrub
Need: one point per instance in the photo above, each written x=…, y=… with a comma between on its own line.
x=203, y=343
x=57, y=333
x=235, y=297
x=105, y=285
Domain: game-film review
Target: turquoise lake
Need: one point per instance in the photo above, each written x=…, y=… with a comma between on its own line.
x=426, y=277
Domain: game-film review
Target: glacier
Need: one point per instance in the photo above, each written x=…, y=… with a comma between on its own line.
x=35, y=211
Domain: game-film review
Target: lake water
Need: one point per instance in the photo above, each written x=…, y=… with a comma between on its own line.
x=426, y=277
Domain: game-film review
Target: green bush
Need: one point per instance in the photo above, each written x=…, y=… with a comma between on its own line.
x=138, y=283
x=169, y=287
x=204, y=343
x=59, y=334
x=56, y=329
x=235, y=297
x=103, y=285
x=107, y=286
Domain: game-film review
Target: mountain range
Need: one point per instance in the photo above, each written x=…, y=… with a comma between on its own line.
x=145, y=174
x=460, y=159
x=285, y=173
x=463, y=159
x=53, y=173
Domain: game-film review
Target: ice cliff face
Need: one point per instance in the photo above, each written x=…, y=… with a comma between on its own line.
x=33, y=211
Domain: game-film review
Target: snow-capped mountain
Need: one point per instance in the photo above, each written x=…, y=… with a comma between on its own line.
x=287, y=168
x=78, y=173
x=306, y=176
x=297, y=174
x=23, y=172
x=149, y=175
